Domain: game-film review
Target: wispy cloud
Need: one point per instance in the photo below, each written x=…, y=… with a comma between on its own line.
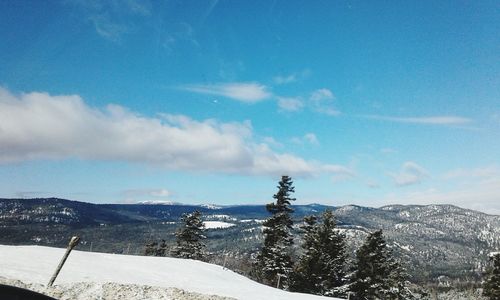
x=293, y=77
x=372, y=184
x=410, y=173
x=179, y=33
x=483, y=172
x=321, y=94
x=269, y=140
x=285, y=79
x=290, y=104
x=160, y=193
x=433, y=120
x=248, y=92
x=108, y=16
x=388, y=151
x=322, y=102
x=41, y=126
x=309, y=138
x=339, y=173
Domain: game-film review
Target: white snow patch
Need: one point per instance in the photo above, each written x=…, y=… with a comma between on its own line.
x=252, y=220
x=211, y=206
x=221, y=217
x=217, y=224
x=158, y=202
x=346, y=208
x=35, y=264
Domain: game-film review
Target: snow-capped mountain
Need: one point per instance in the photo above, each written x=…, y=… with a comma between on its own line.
x=433, y=240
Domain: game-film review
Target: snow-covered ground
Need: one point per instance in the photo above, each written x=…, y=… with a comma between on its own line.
x=217, y=224
x=92, y=273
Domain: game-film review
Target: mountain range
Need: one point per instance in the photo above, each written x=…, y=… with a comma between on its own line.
x=435, y=242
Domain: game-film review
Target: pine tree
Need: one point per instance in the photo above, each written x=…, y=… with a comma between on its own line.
x=189, y=237
x=150, y=249
x=274, y=262
x=306, y=275
x=321, y=268
x=334, y=257
x=491, y=286
x=162, y=249
x=378, y=275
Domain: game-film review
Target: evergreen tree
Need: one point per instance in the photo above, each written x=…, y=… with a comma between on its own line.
x=378, y=275
x=321, y=269
x=189, y=237
x=306, y=276
x=274, y=262
x=162, y=249
x=150, y=249
x=491, y=287
x=334, y=257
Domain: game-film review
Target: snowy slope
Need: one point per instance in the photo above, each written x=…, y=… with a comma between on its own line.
x=35, y=264
x=217, y=224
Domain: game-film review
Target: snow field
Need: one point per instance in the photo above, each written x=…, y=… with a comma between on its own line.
x=35, y=265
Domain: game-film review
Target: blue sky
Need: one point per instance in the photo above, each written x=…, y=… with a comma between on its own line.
x=361, y=102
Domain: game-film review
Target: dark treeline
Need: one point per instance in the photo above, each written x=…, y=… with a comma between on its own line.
x=322, y=266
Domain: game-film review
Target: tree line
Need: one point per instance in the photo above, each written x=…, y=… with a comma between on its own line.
x=323, y=267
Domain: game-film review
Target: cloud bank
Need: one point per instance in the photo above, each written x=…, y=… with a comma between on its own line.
x=41, y=126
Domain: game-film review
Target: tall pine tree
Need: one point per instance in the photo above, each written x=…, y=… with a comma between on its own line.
x=491, y=286
x=274, y=262
x=334, y=256
x=378, y=275
x=321, y=269
x=306, y=274
x=189, y=237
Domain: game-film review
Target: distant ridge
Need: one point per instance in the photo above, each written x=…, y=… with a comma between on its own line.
x=434, y=239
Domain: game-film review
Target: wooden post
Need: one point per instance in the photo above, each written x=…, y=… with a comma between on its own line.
x=279, y=278
x=72, y=244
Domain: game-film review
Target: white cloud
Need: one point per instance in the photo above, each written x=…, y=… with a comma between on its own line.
x=410, y=173
x=296, y=76
x=372, y=184
x=241, y=91
x=163, y=193
x=311, y=138
x=108, y=16
x=107, y=28
x=322, y=102
x=340, y=173
x=484, y=172
x=285, y=79
x=321, y=94
x=41, y=126
x=290, y=104
x=177, y=35
x=269, y=140
x=433, y=120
